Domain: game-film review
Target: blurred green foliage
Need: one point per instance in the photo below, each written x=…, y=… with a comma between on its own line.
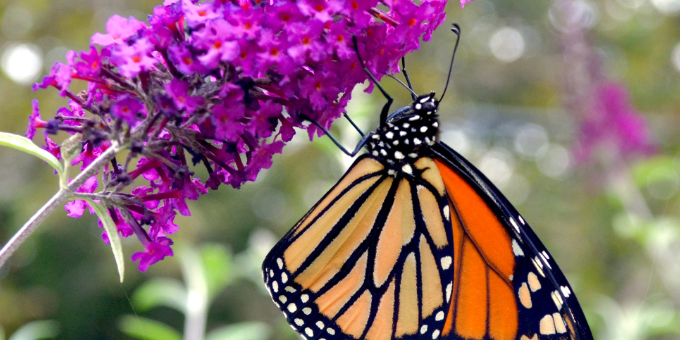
x=614, y=232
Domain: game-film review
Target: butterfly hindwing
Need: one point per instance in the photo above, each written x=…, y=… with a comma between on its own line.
x=527, y=296
x=371, y=261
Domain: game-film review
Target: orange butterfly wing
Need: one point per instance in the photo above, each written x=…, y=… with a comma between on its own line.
x=505, y=284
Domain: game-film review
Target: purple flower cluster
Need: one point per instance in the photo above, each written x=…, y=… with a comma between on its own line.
x=222, y=84
x=613, y=121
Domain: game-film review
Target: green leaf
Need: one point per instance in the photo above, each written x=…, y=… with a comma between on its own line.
x=240, y=331
x=24, y=144
x=160, y=292
x=217, y=262
x=143, y=328
x=114, y=238
x=43, y=329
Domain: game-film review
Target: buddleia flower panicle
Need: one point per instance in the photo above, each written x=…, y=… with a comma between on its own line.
x=218, y=84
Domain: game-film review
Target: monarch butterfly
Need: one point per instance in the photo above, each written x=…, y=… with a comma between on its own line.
x=415, y=243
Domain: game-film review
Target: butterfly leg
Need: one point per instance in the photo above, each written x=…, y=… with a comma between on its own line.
x=408, y=80
x=356, y=150
x=386, y=107
x=354, y=125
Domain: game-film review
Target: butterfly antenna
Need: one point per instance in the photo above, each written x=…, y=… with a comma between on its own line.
x=456, y=30
x=408, y=80
x=413, y=94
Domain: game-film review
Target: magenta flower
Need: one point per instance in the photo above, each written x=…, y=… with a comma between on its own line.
x=124, y=229
x=216, y=84
x=127, y=108
x=179, y=92
x=76, y=208
x=34, y=120
x=119, y=29
x=59, y=78
x=155, y=251
x=131, y=60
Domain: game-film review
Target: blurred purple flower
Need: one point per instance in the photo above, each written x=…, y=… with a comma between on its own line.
x=613, y=121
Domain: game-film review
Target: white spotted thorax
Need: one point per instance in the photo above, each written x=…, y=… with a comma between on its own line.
x=405, y=132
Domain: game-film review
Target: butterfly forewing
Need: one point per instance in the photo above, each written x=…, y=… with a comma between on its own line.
x=371, y=261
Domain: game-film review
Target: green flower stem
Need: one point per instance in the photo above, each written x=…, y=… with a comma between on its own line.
x=55, y=202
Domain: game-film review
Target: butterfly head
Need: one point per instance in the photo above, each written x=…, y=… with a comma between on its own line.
x=406, y=131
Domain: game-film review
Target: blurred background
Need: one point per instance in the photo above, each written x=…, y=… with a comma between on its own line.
x=571, y=107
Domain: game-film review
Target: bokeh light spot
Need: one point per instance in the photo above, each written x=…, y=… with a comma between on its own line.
x=21, y=63
x=16, y=22
x=497, y=165
x=667, y=7
x=507, y=44
x=555, y=163
x=531, y=140
x=675, y=57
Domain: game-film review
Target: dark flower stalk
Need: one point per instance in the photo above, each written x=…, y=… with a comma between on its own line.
x=220, y=84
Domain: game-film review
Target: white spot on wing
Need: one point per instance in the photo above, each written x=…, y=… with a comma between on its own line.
x=516, y=249
x=279, y=262
x=407, y=169
x=398, y=155
x=439, y=316
x=284, y=277
x=299, y=322
x=449, y=288
x=534, y=284
x=309, y=332
x=560, y=327
x=304, y=298
x=275, y=286
x=319, y=324
x=307, y=310
x=435, y=334
x=283, y=299
x=514, y=224
x=423, y=329
x=446, y=262
x=331, y=331
x=423, y=129
x=389, y=135
x=565, y=291
x=292, y=308
x=447, y=212
x=538, y=268
x=417, y=141
x=547, y=325
x=557, y=299
x=290, y=289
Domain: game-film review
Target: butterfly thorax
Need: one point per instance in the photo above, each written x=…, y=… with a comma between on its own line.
x=405, y=133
